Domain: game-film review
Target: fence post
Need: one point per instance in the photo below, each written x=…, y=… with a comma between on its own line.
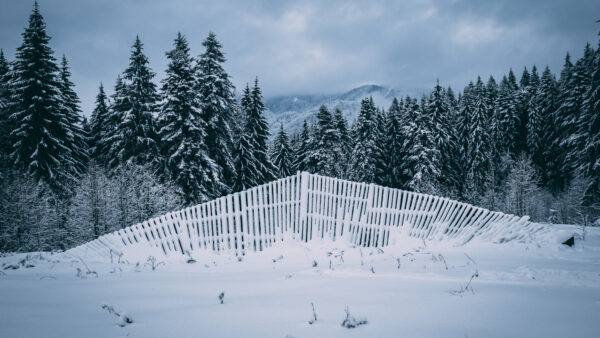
x=303, y=206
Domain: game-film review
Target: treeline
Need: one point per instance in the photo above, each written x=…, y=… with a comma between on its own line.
x=526, y=147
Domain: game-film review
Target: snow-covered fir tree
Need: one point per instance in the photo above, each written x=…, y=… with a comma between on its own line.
x=392, y=146
x=326, y=152
x=5, y=128
x=41, y=135
x=506, y=121
x=246, y=172
x=78, y=144
x=590, y=154
x=218, y=104
x=257, y=132
x=182, y=130
x=420, y=151
x=439, y=113
x=100, y=114
x=363, y=162
x=281, y=155
x=302, y=149
x=134, y=139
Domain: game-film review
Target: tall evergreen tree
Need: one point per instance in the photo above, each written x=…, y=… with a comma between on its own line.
x=281, y=156
x=5, y=127
x=39, y=139
x=134, y=140
x=393, y=155
x=77, y=139
x=257, y=130
x=419, y=166
x=326, y=153
x=182, y=130
x=345, y=140
x=541, y=133
x=439, y=113
x=218, y=105
x=98, y=119
x=506, y=119
x=590, y=155
x=245, y=165
x=363, y=162
x=302, y=149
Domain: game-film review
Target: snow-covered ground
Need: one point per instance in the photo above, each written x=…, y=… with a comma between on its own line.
x=410, y=289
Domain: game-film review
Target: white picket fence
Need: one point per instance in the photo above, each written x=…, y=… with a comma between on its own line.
x=305, y=207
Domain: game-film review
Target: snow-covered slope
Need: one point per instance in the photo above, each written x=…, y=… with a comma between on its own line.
x=412, y=288
x=292, y=110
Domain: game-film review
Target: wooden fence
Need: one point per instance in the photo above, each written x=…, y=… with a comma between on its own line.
x=304, y=207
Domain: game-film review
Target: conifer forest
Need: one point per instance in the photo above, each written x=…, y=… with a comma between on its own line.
x=527, y=143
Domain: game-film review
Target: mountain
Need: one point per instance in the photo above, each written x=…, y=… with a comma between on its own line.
x=292, y=110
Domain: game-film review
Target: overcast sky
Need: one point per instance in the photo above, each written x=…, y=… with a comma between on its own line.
x=309, y=47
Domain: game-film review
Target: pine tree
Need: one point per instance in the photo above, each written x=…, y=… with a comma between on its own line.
x=364, y=134
x=542, y=132
x=590, y=154
x=5, y=127
x=570, y=115
x=77, y=140
x=523, y=98
x=345, y=140
x=326, y=153
x=439, y=113
x=217, y=103
x=39, y=139
x=182, y=130
x=100, y=114
x=281, y=156
x=302, y=149
x=245, y=165
x=506, y=120
x=421, y=171
x=257, y=132
x=393, y=155
x=134, y=139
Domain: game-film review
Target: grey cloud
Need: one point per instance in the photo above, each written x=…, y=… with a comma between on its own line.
x=315, y=46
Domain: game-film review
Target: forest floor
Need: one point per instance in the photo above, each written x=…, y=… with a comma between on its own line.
x=410, y=289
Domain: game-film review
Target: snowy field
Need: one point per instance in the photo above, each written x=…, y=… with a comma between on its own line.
x=410, y=289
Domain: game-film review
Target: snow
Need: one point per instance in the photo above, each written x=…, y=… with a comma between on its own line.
x=540, y=289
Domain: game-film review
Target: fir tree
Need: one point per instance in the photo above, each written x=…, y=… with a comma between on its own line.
x=257, y=132
x=100, y=114
x=439, y=113
x=134, y=140
x=326, y=153
x=5, y=127
x=590, y=154
x=393, y=155
x=77, y=139
x=245, y=165
x=218, y=105
x=506, y=120
x=363, y=163
x=40, y=138
x=182, y=130
x=281, y=156
x=345, y=140
x=541, y=131
x=421, y=171
x=302, y=149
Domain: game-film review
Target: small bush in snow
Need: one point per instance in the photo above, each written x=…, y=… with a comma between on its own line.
x=351, y=322
x=123, y=318
x=315, y=264
x=314, y=317
x=222, y=297
x=153, y=263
